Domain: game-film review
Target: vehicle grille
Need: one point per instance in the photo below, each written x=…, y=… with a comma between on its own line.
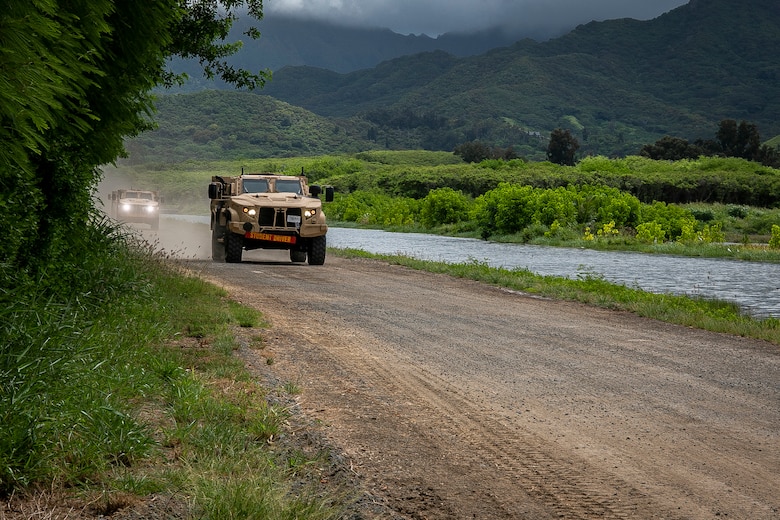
x=277, y=217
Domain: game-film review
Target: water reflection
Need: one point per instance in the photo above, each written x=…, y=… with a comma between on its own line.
x=754, y=286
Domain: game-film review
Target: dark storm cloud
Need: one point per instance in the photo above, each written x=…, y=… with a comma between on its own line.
x=434, y=17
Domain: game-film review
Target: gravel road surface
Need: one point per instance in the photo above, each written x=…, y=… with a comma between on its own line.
x=453, y=399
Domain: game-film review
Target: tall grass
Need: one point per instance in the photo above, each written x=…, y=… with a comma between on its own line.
x=127, y=383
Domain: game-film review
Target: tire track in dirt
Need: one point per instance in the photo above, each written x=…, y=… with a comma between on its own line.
x=503, y=456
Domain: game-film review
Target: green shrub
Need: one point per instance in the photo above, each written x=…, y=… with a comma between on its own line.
x=671, y=218
x=506, y=209
x=511, y=208
x=774, y=242
x=374, y=209
x=444, y=206
x=703, y=215
x=650, y=232
x=737, y=211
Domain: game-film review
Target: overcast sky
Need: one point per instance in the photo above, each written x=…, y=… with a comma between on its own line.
x=434, y=17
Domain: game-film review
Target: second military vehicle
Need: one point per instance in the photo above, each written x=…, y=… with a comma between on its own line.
x=142, y=206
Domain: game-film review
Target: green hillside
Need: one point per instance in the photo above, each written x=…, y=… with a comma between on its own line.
x=617, y=85
x=237, y=125
x=626, y=82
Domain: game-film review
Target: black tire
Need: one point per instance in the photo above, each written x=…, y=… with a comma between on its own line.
x=234, y=247
x=217, y=247
x=297, y=256
x=317, y=247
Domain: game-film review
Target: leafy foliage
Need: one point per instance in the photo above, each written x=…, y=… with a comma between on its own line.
x=774, y=242
x=75, y=80
x=670, y=148
x=444, y=206
x=732, y=140
x=510, y=209
x=531, y=212
x=740, y=140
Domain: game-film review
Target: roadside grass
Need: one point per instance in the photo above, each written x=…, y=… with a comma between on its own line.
x=706, y=314
x=751, y=252
x=109, y=401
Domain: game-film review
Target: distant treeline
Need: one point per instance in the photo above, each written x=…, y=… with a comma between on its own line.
x=708, y=179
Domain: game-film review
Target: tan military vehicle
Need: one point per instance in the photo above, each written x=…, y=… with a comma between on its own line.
x=136, y=206
x=267, y=211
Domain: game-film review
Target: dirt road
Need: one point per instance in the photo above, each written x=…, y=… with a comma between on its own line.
x=452, y=399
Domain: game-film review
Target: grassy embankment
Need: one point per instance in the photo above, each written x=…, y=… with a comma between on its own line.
x=129, y=388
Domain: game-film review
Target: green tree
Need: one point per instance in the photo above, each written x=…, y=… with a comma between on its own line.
x=563, y=145
x=75, y=81
x=472, y=152
x=769, y=156
x=741, y=140
x=475, y=151
x=670, y=148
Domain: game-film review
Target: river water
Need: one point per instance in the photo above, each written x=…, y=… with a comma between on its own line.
x=755, y=287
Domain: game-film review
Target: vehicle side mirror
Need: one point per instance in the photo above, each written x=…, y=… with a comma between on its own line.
x=329, y=192
x=215, y=190
x=315, y=191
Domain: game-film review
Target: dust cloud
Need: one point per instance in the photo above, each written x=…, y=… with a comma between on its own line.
x=186, y=238
x=183, y=237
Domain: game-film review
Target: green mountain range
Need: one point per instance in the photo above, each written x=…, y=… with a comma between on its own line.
x=617, y=85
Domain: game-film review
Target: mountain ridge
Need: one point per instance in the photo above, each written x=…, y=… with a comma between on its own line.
x=617, y=85
x=679, y=73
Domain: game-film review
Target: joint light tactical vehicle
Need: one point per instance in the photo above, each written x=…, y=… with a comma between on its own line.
x=267, y=211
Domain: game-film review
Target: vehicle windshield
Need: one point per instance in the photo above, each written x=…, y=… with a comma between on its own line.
x=255, y=185
x=138, y=195
x=288, y=186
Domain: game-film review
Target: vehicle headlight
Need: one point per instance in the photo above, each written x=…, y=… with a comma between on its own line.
x=150, y=209
x=251, y=212
x=309, y=213
x=125, y=207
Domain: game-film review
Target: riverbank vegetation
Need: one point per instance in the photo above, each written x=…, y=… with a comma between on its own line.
x=711, y=206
